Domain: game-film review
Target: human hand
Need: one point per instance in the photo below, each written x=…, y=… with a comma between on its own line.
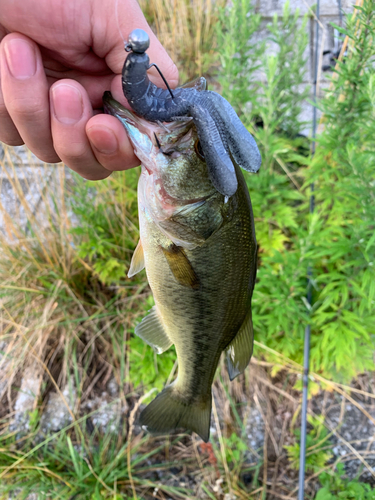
x=57, y=57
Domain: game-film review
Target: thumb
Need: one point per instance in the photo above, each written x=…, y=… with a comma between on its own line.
x=121, y=20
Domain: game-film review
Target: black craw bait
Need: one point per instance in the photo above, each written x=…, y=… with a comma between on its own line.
x=222, y=135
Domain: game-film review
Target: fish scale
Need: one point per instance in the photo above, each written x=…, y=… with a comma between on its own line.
x=202, y=323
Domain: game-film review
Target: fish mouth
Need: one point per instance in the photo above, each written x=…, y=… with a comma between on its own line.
x=152, y=130
x=114, y=108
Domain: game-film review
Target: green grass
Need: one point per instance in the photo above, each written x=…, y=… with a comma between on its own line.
x=74, y=464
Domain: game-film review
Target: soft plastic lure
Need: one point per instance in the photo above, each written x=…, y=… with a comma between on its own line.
x=223, y=137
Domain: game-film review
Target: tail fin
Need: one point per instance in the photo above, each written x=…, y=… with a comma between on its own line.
x=168, y=412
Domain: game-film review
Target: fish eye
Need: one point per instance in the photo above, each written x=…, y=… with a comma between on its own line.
x=198, y=149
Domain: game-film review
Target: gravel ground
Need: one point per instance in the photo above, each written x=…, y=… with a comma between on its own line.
x=354, y=432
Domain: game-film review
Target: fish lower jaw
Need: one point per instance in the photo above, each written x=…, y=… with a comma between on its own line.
x=148, y=166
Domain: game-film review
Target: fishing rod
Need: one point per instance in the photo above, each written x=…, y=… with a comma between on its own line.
x=306, y=349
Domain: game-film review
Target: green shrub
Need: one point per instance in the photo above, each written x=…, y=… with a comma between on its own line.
x=239, y=53
x=335, y=487
x=108, y=226
x=342, y=248
x=338, y=240
x=287, y=68
x=317, y=454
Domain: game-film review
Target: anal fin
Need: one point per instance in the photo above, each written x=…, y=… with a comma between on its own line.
x=138, y=260
x=152, y=331
x=239, y=351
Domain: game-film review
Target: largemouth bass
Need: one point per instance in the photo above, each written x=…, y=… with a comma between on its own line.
x=199, y=250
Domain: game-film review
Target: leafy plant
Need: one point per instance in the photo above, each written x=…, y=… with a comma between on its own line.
x=187, y=31
x=286, y=70
x=337, y=241
x=239, y=53
x=342, y=249
x=107, y=231
x=262, y=78
x=335, y=487
x=317, y=452
x=235, y=449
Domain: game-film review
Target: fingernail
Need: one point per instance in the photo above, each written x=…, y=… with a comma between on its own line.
x=103, y=139
x=67, y=103
x=21, y=59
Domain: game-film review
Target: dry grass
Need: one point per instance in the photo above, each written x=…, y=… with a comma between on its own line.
x=54, y=311
x=186, y=28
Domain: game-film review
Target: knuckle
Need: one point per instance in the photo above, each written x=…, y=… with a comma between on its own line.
x=25, y=108
x=4, y=115
x=81, y=160
x=9, y=134
x=3, y=109
x=71, y=152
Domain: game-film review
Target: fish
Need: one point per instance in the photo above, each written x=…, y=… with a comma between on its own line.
x=199, y=250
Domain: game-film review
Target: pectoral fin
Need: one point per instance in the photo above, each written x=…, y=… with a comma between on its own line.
x=138, y=260
x=240, y=349
x=151, y=330
x=181, y=267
